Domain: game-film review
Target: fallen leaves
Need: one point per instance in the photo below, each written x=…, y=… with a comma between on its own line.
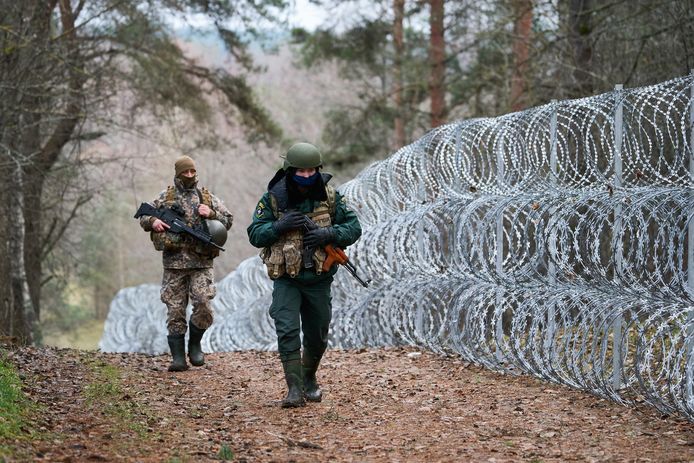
x=379, y=405
x=296, y=443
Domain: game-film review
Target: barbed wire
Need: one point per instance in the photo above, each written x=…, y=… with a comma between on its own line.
x=554, y=241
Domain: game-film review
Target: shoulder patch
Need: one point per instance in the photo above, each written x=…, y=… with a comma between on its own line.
x=342, y=202
x=260, y=210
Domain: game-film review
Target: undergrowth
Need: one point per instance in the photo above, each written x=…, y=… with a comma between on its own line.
x=105, y=393
x=15, y=409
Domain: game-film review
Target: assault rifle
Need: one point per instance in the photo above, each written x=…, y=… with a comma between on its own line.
x=176, y=223
x=335, y=256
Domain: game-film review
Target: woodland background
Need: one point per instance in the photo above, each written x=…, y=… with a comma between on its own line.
x=99, y=97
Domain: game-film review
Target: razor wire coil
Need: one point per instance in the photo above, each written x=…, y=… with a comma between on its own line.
x=555, y=241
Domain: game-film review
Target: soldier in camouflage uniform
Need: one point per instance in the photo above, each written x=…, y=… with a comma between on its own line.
x=188, y=271
x=301, y=290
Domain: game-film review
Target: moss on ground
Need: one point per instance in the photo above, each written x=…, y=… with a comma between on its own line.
x=105, y=393
x=16, y=410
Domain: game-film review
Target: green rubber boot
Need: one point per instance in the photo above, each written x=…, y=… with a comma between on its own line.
x=312, y=391
x=178, y=352
x=197, y=358
x=293, y=376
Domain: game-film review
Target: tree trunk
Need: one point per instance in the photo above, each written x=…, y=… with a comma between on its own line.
x=13, y=284
x=23, y=311
x=437, y=89
x=523, y=14
x=33, y=237
x=6, y=306
x=21, y=76
x=45, y=156
x=580, y=33
x=32, y=146
x=399, y=122
x=32, y=180
x=7, y=122
x=36, y=167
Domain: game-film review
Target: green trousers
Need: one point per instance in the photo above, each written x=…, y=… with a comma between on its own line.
x=299, y=307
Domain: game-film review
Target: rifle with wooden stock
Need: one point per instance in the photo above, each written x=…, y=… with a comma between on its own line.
x=335, y=256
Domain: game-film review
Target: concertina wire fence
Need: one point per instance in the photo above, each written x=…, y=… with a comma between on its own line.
x=554, y=241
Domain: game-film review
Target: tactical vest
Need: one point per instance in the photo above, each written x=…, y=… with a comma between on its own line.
x=285, y=255
x=168, y=241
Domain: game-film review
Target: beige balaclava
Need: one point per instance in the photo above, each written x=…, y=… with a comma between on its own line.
x=183, y=164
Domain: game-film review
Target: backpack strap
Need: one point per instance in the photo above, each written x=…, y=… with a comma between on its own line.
x=280, y=196
x=332, y=203
x=205, y=197
x=170, y=196
x=274, y=206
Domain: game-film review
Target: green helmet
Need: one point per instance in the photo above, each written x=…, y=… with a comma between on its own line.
x=303, y=156
x=217, y=231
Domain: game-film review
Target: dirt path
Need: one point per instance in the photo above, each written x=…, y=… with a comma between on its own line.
x=379, y=405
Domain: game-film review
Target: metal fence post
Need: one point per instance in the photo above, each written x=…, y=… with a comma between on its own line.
x=617, y=340
x=551, y=266
x=423, y=199
x=499, y=331
x=690, y=228
x=689, y=386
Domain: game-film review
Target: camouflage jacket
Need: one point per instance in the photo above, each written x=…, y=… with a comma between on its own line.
x=188, y=200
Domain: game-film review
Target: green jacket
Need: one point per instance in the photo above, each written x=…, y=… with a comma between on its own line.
x=345, y=223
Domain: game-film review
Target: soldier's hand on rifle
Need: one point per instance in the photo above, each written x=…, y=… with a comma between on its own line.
x=204, y=210
x=290, y=221
x=309, y=224
x=159, y=226
x=319, y=236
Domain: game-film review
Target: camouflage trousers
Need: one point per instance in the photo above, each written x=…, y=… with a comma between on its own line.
x=178, y=285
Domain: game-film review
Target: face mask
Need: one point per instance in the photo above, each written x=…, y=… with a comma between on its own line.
x=306, y=181
x=188, y=182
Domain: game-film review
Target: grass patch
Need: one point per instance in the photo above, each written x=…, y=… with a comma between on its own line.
x=11, y=401
x=225, y=453
x=15, y=408
x=105, y=393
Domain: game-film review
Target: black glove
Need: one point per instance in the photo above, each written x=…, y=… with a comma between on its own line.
x=315, y=238
x=290, y=221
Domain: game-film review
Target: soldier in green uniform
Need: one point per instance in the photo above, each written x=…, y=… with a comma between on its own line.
x=293, y=254
x=188, y=271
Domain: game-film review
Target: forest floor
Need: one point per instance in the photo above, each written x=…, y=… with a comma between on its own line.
x=380, y=405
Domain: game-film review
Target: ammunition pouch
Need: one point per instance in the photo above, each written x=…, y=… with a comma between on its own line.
x=167, y=241
x=273, y=258
x=292, y=258
x=319, y=257
x=204, y=250
x=173, y=242
x=285, y=255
